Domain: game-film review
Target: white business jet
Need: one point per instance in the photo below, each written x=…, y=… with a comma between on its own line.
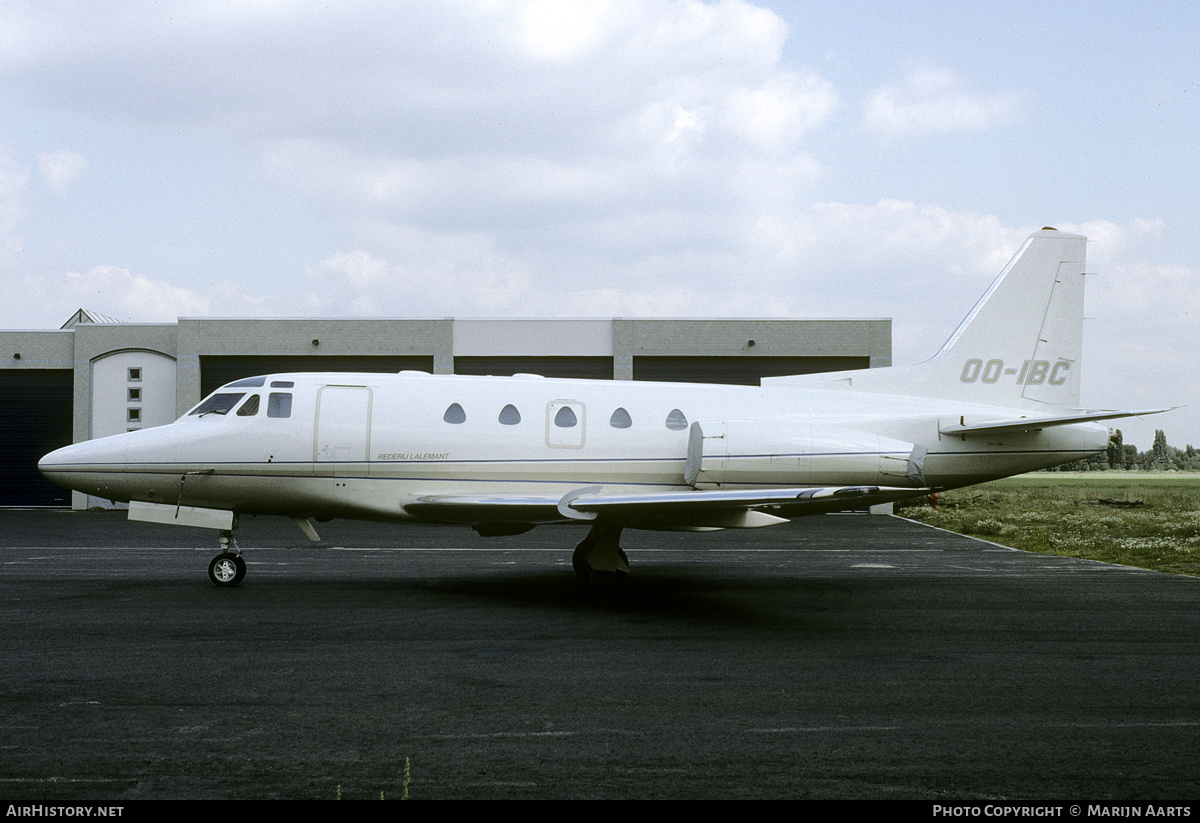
x=505, y=454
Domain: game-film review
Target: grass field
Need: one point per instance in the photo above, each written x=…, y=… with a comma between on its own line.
x=1149, y=520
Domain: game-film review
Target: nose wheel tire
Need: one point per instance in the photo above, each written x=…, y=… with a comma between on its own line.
x=227, y=569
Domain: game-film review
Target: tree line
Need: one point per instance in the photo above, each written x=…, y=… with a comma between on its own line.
x=1122, y=456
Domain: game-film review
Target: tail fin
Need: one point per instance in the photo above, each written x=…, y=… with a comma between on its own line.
x=1019, y=347
x=1023, y=339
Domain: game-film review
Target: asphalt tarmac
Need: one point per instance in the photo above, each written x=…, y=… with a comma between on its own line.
x=837, y=657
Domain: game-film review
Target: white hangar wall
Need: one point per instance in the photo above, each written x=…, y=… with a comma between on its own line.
x=90, y=379
x=132, y=389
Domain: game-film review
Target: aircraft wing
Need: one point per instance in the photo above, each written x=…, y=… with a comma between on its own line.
x=1014, y=425
x=684, y=509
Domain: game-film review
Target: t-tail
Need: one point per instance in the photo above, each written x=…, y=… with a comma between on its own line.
x=1019, y=347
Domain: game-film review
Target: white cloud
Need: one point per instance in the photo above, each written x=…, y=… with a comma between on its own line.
x=526, y=157
x=894, y=257
x=782, y=110
x=428, y=274
x=561, y=29
x=1140, y=341
x=358, y=268
x=39, y=301
x=500, y=143
x=933, y=101
x=125, y=295
x=61, y=168
x=1109, y=242
x=370, y=72
x=450, y=118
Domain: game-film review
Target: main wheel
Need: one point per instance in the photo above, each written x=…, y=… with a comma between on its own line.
x=227, y=569
x=579, y=557
x=599, y=578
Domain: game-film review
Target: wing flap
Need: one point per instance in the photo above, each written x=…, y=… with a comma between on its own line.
x=721, y=509
x=460, y=508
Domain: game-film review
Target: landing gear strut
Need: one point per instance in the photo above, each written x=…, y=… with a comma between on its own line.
x=227, y=568
x=598, y=560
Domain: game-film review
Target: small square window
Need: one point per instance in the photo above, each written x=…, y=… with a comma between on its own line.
x=135, y=416
x=279, y=404
x=135, y=395
x=135, y=375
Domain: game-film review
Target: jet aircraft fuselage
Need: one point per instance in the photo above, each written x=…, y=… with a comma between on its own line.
x=504, y=454
x=375, y=445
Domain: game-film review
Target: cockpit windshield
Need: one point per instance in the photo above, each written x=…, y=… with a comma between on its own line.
x=223, y=400
x=219, y=403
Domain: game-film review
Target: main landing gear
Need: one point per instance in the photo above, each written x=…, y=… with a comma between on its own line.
x=227, y=568
x=599, y=560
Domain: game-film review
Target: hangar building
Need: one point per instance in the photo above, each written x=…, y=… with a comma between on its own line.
x=96, y=376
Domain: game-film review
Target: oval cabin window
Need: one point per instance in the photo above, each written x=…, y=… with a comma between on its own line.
x=509, y=416
x=455, y=414
x=676, y=420
x=620, y=419
x=565, y=418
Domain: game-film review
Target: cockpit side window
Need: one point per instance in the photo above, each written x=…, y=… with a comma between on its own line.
x=219, y=403
x=249, y=408
x=279, y=404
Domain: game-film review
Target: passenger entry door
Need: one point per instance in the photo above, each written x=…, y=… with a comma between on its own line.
x=343, y=428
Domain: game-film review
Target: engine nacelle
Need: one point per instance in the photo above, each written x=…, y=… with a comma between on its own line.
x=724, y=453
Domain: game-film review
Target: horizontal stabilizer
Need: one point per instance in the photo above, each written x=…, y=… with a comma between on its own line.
x=1013, y=425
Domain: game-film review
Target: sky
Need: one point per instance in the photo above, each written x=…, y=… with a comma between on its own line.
x=608, y=158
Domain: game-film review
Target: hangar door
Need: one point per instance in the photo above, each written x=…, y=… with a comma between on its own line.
x=738, y=371
x=587, y=368
x=35, y=418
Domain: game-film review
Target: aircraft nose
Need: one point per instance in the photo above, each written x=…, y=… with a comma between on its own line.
x=68, y=458
x=59, y=460
x=99, y=467
x=75, y=466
